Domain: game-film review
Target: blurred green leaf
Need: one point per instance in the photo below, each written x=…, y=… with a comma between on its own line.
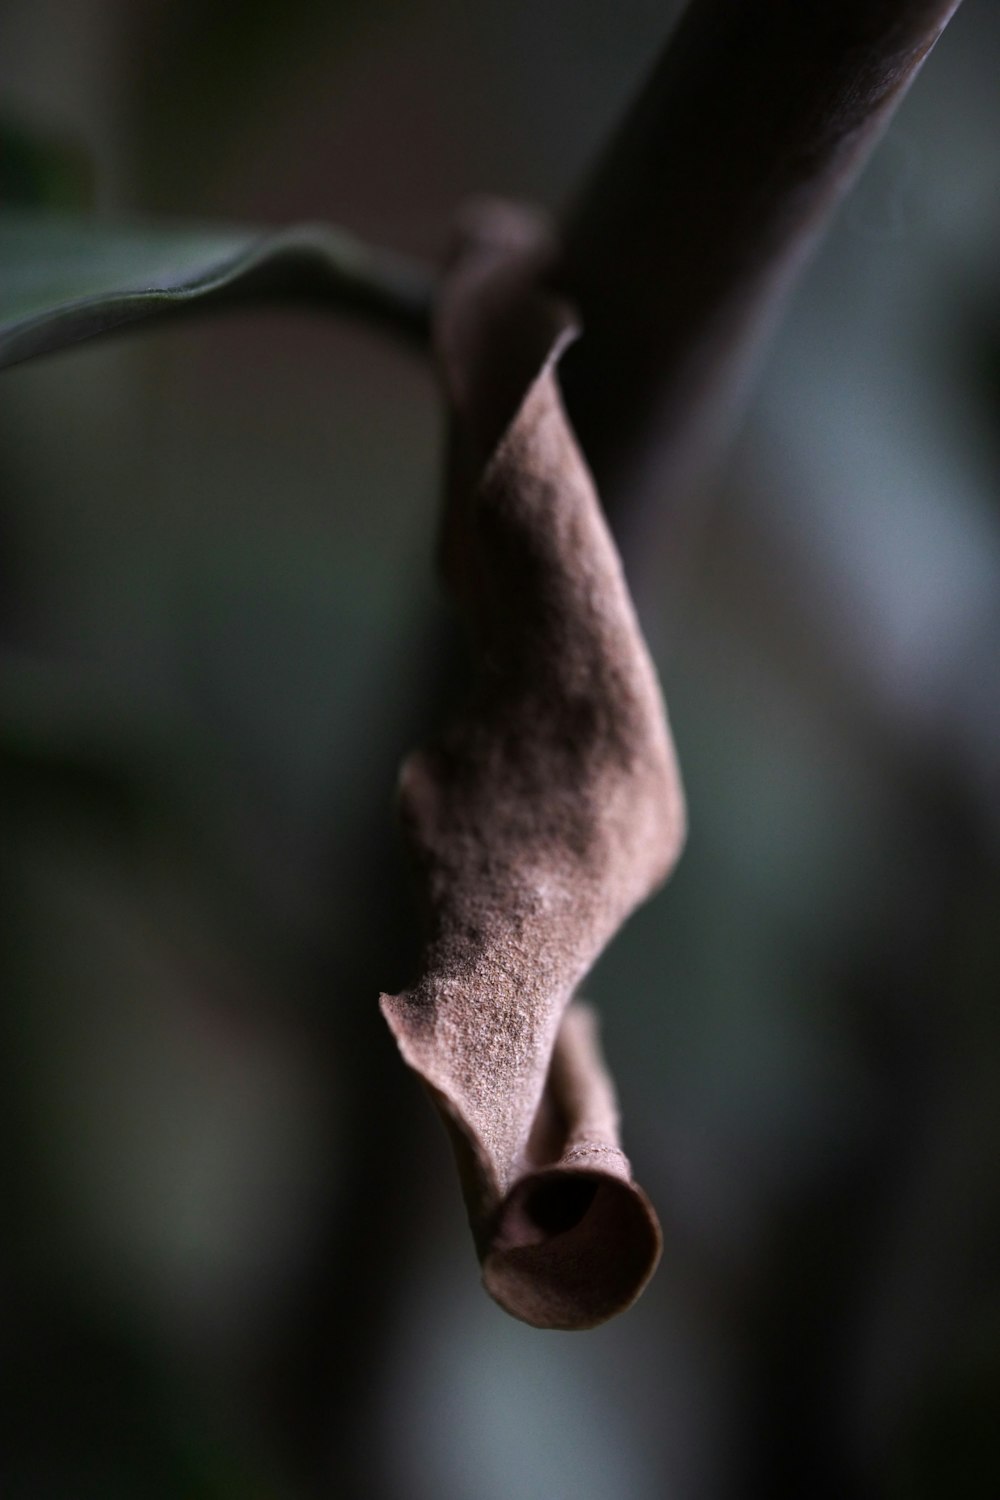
x=63, y=280
x=43, y=171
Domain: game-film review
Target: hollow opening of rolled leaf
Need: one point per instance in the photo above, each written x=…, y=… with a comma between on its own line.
x=557, y=1204
x=570, y=1249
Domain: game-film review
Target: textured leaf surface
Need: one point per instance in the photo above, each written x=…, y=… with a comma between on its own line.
x=546, y=811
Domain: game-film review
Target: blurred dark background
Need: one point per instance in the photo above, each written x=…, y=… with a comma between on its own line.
x=234, y=1254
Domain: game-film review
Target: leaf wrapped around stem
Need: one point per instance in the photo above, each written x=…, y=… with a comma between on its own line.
x=546, y=811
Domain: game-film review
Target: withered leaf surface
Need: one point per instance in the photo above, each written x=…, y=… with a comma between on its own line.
x=547, y=810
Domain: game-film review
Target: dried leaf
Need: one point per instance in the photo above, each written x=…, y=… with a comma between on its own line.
x=546, y=812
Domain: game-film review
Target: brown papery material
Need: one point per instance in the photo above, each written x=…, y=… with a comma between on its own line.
x=547, y=810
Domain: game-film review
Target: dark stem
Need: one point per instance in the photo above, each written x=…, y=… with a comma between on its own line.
x=684, y=243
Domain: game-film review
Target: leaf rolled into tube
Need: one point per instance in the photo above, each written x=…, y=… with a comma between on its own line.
x=546, y=811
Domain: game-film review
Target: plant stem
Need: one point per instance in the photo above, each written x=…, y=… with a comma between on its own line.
x=691, y=231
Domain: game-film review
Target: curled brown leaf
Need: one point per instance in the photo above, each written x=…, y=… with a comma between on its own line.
x=549, y=808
